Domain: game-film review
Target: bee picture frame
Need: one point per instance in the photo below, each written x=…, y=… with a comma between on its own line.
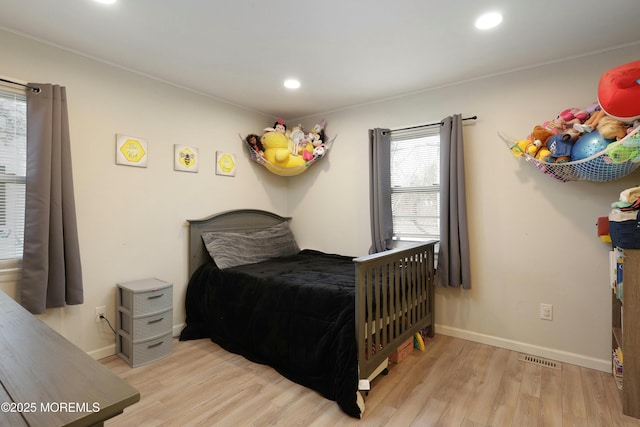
x=186, y=158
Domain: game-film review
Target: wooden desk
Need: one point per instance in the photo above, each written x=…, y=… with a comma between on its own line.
x=48, y=381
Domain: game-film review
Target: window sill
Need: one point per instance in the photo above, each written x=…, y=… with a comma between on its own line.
x=10, y=274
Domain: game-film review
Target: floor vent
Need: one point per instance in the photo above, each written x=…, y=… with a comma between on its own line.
x=540, y=361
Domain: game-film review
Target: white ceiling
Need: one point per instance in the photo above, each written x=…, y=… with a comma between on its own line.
x=345, y=52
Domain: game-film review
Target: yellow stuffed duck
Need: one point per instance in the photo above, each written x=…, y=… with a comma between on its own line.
x=279, y=158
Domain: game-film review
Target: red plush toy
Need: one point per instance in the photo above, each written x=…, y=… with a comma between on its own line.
x=619, y=92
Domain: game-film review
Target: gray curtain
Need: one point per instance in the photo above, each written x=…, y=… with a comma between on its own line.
x=51, y=272
x=453, y=259
x=380, y=189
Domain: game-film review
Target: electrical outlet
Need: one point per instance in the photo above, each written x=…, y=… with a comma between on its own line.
x=100, y=311
x=546, y=311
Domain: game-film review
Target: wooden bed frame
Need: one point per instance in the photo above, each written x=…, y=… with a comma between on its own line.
x=394, y=289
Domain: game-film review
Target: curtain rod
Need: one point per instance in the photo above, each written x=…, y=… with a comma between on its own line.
x=433, y=124
x=33, y=88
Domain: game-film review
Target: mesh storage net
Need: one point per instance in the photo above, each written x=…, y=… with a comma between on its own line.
x=617, y=160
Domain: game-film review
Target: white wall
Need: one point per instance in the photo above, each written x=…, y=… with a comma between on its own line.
x=533, y=239
x=132, y=220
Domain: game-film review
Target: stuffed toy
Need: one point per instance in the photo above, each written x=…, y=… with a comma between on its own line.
x=543, y=154
x=306, y=149
x=277, y=152
x=524, y=146
x=629, y=150
x=279, y=126
x=619, y=92
x=633, y=142
x=559, y=147
x=621, y=154
x=314, y=139
x=319, y=151
x=539, y=137
x=592, y=108
x=554, y=125
x=318, y=133
x=565, y=121
x=574, y=113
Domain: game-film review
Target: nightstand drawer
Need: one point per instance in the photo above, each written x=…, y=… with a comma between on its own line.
x=141, y=353
x=153, y=301
x=140, y=328
x=146, y=296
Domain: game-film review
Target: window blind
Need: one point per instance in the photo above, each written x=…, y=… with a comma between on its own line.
x=415, y=183
x=13, y=167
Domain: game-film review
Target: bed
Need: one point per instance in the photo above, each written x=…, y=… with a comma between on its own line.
x=326, y=321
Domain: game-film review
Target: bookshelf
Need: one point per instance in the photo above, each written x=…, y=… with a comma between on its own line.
x=626, y=331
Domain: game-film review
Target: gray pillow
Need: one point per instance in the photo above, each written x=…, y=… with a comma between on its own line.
x=233, y=249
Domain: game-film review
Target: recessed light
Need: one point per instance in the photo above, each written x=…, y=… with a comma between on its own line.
x=106, y=1
x=292, y=84
x=488, y=20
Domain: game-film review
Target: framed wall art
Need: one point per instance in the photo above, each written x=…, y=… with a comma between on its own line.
x=131, y=151
x=186, y=158
x=225, y=164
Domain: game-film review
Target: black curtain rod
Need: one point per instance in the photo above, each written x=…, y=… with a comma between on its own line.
x=34, y=89
x=433, y=124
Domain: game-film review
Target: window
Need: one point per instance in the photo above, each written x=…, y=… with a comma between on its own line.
x=13, y=166
x=415, y=183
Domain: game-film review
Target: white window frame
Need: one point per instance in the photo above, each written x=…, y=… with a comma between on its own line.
x=17, y=154
x=428, y=135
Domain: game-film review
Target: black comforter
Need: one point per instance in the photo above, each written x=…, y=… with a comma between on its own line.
x=295, y=314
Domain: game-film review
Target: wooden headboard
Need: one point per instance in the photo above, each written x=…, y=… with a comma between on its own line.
x=236, y=221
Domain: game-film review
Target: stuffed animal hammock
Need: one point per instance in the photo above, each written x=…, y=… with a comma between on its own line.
x=288, y=152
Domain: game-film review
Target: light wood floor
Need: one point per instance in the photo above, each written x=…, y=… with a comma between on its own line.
x=452, y=383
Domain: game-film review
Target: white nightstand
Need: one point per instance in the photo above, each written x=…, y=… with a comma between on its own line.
x=144, y=320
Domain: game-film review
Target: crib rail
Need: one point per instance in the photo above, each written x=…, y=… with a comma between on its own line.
x=394, y=300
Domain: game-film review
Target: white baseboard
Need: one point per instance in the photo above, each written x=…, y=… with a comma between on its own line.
x=103, y=352
x=548, y=353
x=110, y=350
x=177, y=329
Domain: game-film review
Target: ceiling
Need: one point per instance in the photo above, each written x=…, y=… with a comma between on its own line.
x=345, y=52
